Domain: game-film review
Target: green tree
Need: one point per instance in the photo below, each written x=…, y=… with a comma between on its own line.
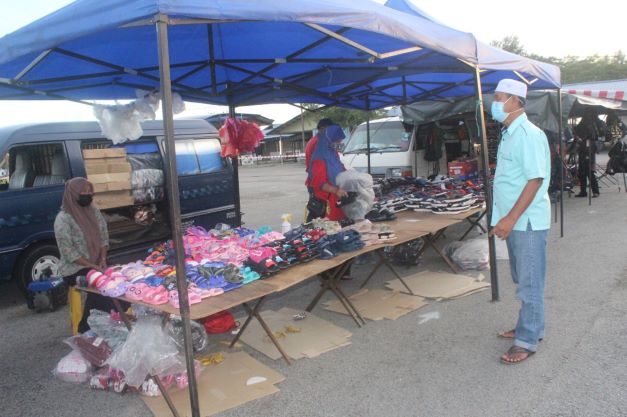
x=347, y=118
x=574, y=69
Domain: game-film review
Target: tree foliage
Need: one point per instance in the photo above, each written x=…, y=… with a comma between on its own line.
x=574, y=69
x=347, y=118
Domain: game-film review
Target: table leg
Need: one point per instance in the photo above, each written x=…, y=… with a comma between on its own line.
x=439, y=251
x=248, y=319
x=374, y=270
x=473, y=224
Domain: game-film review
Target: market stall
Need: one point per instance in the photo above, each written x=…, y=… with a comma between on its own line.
x=344, y=53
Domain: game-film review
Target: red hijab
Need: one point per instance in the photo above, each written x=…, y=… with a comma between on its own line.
x=85, y=217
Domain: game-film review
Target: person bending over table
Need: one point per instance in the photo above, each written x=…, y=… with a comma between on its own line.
x=83, y=241
x=325, y=167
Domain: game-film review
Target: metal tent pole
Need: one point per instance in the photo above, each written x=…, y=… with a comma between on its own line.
x=235, y=163
x=175, y=207
x=368, y=133
x=494, y=279
x=590, y=174
x=562, y=165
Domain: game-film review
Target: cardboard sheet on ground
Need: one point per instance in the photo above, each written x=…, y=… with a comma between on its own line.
x=222, y=387
x=439, y=285
x=315, y=336
x=379, y=304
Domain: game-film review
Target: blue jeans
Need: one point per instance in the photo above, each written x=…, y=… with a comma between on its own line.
x=527, y=259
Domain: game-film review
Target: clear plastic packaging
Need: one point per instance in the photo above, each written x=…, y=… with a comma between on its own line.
x=148, y=160
x=112, y=331
x=200, y=340
x=361, y=183
x=473, y=254
x=149, y=350
x=144, y=178
x=73, y=368
x=93, y=348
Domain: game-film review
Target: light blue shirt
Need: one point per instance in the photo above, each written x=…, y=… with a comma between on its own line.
x=523, y=155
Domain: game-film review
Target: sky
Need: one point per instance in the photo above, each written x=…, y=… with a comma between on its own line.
x=556, y=28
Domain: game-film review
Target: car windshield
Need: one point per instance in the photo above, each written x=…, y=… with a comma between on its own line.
x=384, y=137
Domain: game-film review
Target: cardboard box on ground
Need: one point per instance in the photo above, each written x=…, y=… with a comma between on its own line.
x=110, y=173
x=226, y=385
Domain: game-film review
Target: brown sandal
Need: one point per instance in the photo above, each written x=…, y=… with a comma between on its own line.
x=516, y=350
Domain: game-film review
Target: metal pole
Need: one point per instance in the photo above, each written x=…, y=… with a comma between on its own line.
x=175, y=207
x=368, y=133
x=494, y=279
x=589, y=145
x=302, y=127
x=562, y=164
x=235, y=163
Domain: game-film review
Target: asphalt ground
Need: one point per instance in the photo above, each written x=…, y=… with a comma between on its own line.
x=443, y=367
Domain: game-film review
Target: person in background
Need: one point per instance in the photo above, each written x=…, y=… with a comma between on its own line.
x=587, y=135
x=521, y=213
x=83, y=241
x=325, y=166
x=314, y=206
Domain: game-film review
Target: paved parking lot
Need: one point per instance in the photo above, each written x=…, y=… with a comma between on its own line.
x=444, y=367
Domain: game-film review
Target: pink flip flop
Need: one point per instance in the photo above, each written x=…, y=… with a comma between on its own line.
x=192, y=297
x=156, y=295
x=135, y=292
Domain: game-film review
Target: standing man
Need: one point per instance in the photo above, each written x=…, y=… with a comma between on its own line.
x=586, y=133
x=521, y=212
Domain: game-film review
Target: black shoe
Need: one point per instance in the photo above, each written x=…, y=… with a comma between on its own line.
x=581, y=195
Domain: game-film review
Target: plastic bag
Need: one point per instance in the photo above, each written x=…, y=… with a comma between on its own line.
x=471, y=254
x=112, y=331
x=200, y=340
x=149, y=350
x=119, y=123
x=238, y=136
x=108, y=379
x=149, y=160
x=73, y=368
x=361, y=183
x=144, y=178
x=93, y=348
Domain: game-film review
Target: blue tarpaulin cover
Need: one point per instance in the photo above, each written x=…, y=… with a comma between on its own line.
x=351, y=53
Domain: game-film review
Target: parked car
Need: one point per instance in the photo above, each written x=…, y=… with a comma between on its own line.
x=41, y=157
x=394, y=150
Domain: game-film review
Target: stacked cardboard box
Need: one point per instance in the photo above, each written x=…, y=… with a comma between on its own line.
x=110, y=173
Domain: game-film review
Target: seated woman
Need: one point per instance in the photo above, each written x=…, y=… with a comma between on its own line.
x=83, y=241
x=325, y=167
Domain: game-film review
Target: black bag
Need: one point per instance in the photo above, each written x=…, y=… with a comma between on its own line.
x=618, y=158
x=317, y=208
x=433, y=145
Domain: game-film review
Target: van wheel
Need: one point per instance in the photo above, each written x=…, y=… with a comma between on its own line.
x=34, y=263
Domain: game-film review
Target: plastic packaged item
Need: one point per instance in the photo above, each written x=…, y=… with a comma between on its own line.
x=220, y=322
x=148, y=350
x=108, y=379
x=73, y=368
x=200, y=340
x=360, y=183
x=93, y=348
x=146, y=160
x=114, y=332
x=148, y=177
x=473, y=254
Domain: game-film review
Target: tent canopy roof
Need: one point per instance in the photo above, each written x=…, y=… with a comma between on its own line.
x=350, y=53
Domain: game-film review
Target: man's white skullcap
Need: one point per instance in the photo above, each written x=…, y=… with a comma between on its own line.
x=512, y=87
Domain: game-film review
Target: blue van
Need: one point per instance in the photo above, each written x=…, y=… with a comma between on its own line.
x=39, y=158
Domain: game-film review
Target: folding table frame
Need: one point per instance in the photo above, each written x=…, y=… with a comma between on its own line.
x=475, y=221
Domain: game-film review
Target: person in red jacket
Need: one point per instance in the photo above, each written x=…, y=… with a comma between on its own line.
x=325, y=165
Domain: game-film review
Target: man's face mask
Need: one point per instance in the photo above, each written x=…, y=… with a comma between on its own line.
x=498, y=112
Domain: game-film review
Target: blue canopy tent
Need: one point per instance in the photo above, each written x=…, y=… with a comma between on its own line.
x=351, y=53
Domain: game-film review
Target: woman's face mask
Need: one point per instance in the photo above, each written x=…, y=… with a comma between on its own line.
x=338, y=146
x=85, y=200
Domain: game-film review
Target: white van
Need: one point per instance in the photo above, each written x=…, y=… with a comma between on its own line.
x=393, y=150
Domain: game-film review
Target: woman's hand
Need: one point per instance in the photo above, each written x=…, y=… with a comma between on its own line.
x=341, y=193
x=102, y=264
